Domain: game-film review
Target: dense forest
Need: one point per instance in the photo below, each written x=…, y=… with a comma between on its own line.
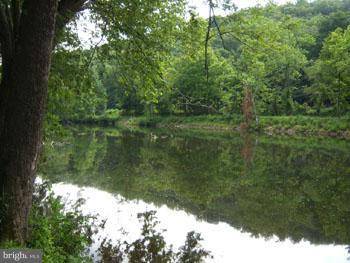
x=293, y=59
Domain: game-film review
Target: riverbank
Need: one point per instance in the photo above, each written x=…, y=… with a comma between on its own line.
x=271, y=125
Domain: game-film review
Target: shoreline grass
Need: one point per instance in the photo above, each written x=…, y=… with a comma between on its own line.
x=271, y=125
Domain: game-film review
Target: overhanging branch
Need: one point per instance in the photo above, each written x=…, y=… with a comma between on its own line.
x=213, y=21
x=207, y=37
x=66, y=11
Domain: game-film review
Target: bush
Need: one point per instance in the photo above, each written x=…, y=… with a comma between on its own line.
x=62, y=236
x=151, y=247
x=111, y=114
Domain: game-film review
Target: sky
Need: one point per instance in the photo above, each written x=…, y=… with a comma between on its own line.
x=202, y=5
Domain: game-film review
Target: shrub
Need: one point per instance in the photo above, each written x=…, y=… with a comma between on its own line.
x=151, y=247
x=112, y=114
x=62, y=236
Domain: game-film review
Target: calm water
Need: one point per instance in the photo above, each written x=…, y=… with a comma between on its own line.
x=254, y=199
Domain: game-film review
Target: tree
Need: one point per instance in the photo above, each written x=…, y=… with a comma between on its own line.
x=193, y=92
x=268, y=59
x=190, y=88
x=29, y=31
x=330, y=73
x=73, y=89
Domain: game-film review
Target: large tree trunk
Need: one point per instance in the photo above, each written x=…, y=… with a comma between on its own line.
x=23, y=95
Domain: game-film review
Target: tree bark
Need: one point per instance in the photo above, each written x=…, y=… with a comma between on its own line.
x=23, y=95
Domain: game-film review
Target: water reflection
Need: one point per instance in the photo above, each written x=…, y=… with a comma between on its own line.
x=226, y=243
x=275, y=188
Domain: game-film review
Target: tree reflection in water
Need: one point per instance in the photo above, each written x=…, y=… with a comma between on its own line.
x=297, y=189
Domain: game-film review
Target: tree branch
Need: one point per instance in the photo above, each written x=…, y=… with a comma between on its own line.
x=66, y=11
x=207, y=37
x=212, y=21
x=68, y=8
x=188, y=101
x=94, y=49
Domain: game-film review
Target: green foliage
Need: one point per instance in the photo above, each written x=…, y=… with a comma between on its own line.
x=191, y=251
x=331, y=73
x=121, y=91
x=294, y=57
x=269, y=59
x=128, y=68
x=193, y=92
x=288, y=125
x=305, y=124
x=140, y=36
x=112, y=114
x=72, y=86
x=151, y=247
x=63, y=236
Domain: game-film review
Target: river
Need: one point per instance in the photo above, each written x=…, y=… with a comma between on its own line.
x=252, y=198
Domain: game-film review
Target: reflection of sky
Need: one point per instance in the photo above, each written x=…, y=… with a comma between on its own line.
x=226, y=243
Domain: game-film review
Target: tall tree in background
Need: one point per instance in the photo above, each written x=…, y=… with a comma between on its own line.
x=330, y=73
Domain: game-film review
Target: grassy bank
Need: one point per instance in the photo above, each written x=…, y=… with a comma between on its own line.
x=272, y=125
x=108, y=118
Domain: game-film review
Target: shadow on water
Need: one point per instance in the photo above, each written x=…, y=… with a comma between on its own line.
x=290, y=188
